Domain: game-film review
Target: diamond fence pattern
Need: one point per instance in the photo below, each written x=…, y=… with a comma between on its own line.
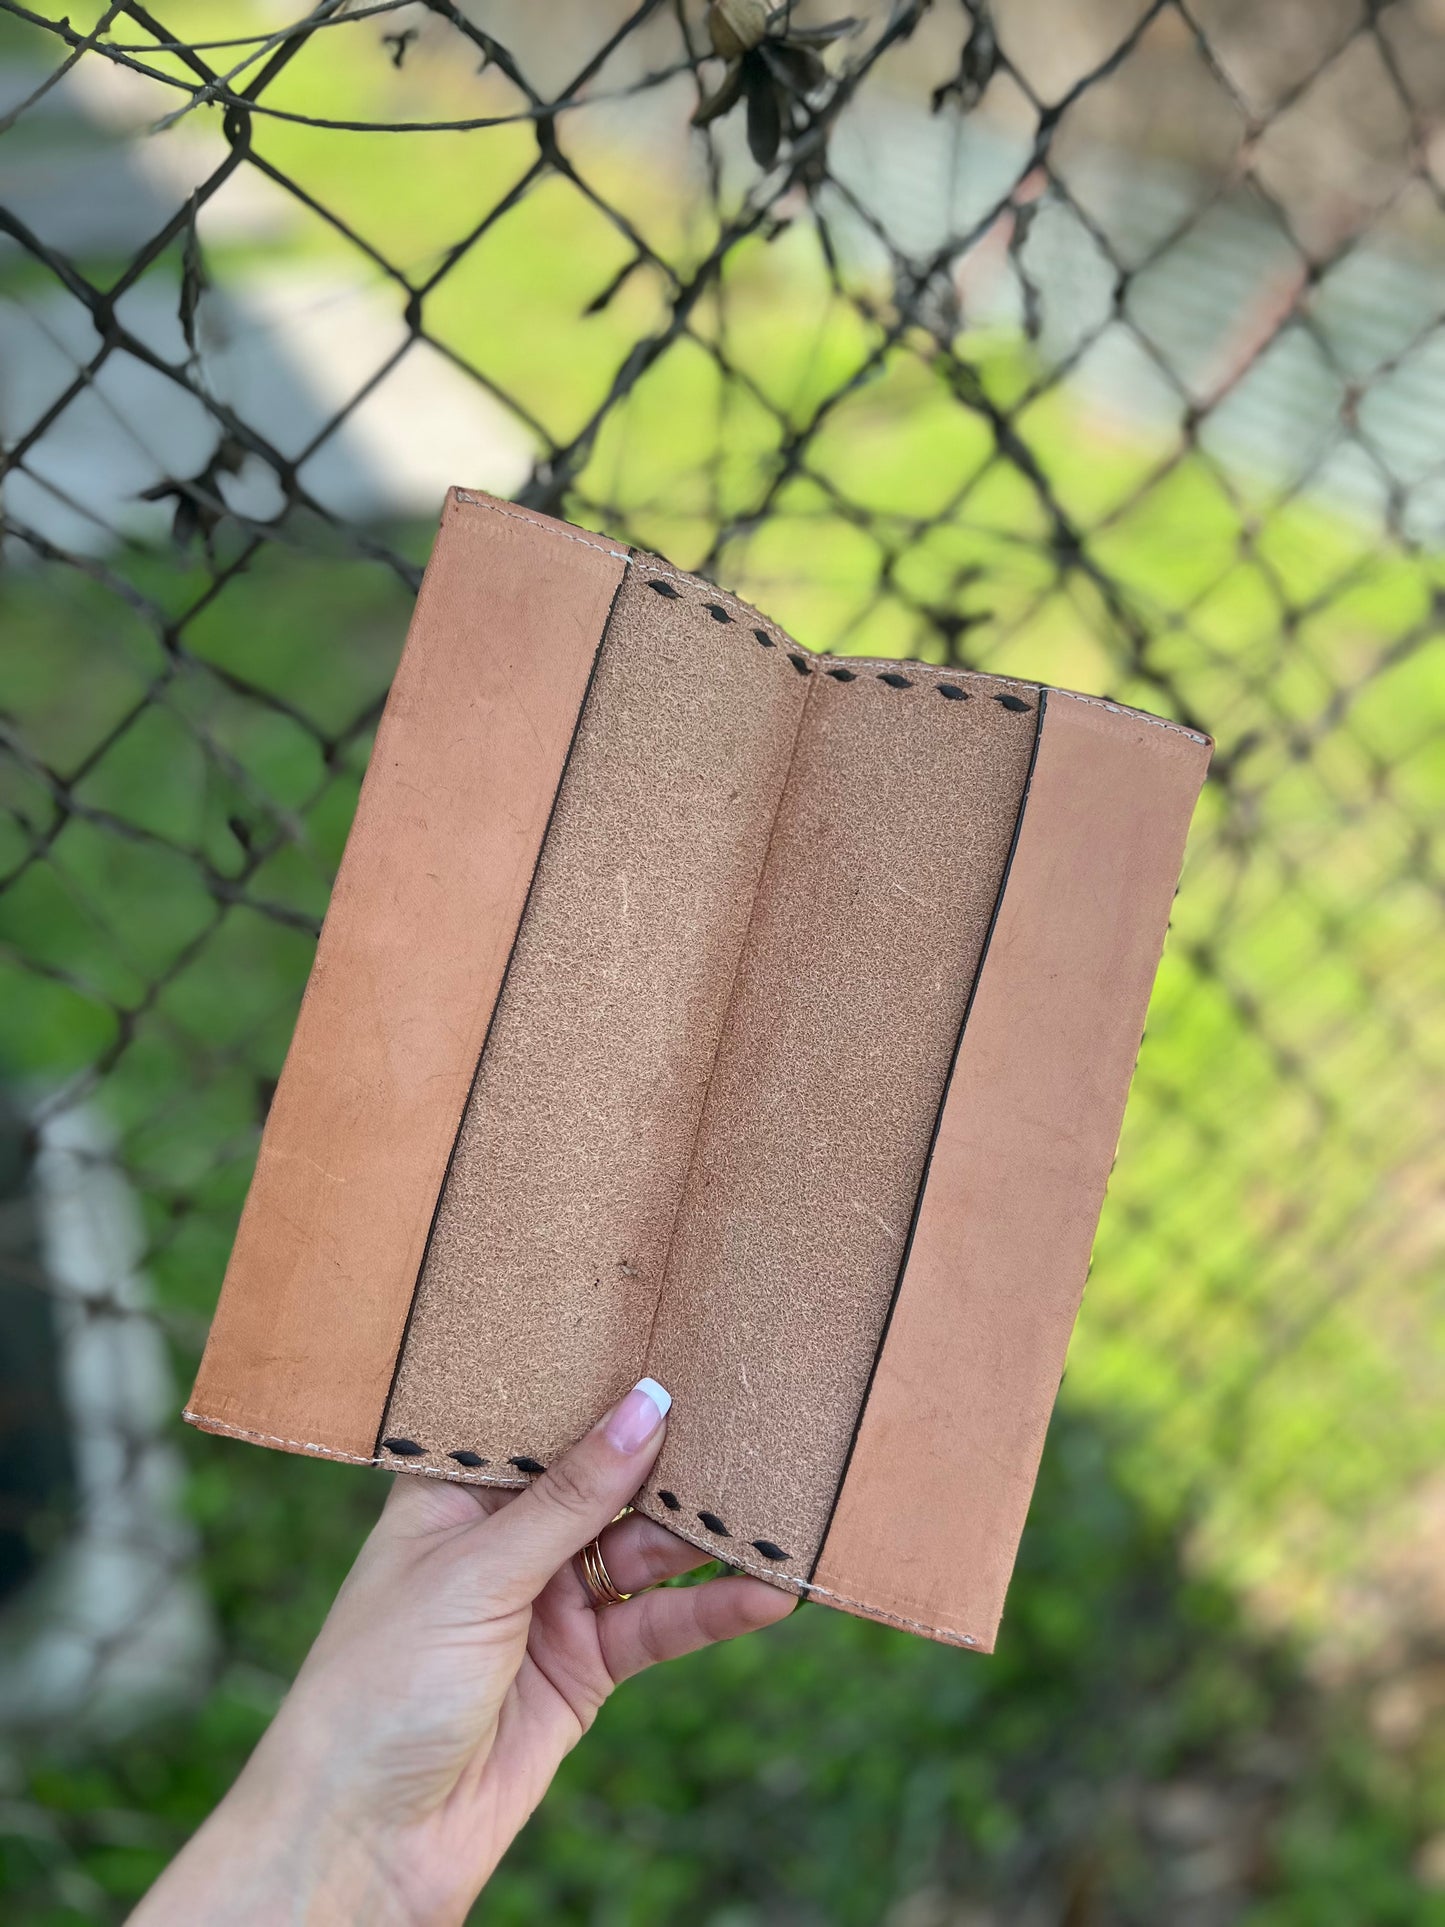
x=1106, y=349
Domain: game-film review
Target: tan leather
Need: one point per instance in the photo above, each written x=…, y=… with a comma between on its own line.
x=933, y=1503
x=866, y=932
x=447, y=832
x=628, y=1049
x=542, y=1281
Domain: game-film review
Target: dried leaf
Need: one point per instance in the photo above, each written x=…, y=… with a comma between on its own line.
x=772, y=66
x=977, y=64
x=823, y=36
x=724, y=100
x=186, y=522
x=798, y=69
x=765, y=120
x=736, y=26
x=194, y=280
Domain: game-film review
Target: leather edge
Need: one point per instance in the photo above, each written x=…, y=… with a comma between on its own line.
x=485, y=701
x=381, y=1428
x=933, y=1501
x=927, y=1170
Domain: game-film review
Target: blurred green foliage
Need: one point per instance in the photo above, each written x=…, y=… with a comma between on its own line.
x=1250, y=1395
x=830, y=1769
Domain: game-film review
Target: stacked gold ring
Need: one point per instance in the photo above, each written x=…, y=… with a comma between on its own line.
x=601, y=1590
x=597, y=1579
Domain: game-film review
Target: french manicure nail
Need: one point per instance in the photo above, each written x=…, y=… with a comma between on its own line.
x=638, y=1416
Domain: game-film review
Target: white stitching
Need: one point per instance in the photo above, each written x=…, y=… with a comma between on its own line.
x=1125, y=709
x=643, y=556
x=274, y=1438
x=546, y=527
x=473, y=1478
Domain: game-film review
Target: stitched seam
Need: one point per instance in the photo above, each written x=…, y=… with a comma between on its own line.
x=1135, y=715
x=776, y=1575
x=352, y=1458
x=473, y=1478
x=542, y=527
x=644, y=559
x=935, y=671
x=647, y=560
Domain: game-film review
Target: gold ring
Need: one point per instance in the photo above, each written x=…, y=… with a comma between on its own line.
x=601, y=1591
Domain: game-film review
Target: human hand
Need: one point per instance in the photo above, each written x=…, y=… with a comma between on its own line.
x=459, y=1664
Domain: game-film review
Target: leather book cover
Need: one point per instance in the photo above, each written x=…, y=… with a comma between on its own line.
x=690, y=1004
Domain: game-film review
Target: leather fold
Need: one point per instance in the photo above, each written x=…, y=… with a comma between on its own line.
x=694, y=1005
x=449, y=826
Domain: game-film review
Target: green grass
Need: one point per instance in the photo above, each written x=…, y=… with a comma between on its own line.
x=1249, y=1393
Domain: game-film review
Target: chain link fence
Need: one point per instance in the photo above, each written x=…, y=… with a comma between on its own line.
x=1104, y=345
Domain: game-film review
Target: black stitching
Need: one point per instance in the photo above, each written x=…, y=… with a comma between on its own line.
x=714, y=1524
x=527, y=1465
x=769, y=1550
x=467, y=1458
x=671, y=1501
x=1013, y=702
x=405, y=1448
x=892, y=678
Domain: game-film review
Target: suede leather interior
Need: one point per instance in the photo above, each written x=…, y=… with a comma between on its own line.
x=541, y=1283
x=866, y=933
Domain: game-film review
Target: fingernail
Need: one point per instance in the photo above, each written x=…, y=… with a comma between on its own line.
x=637, y=1418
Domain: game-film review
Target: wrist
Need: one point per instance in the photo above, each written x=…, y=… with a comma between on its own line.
x=314, y=1862
x=274, y=1855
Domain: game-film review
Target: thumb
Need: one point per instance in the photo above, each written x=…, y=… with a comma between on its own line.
x=576, y=1496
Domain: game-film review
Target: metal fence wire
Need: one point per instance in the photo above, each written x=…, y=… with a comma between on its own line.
x=1102, y=344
